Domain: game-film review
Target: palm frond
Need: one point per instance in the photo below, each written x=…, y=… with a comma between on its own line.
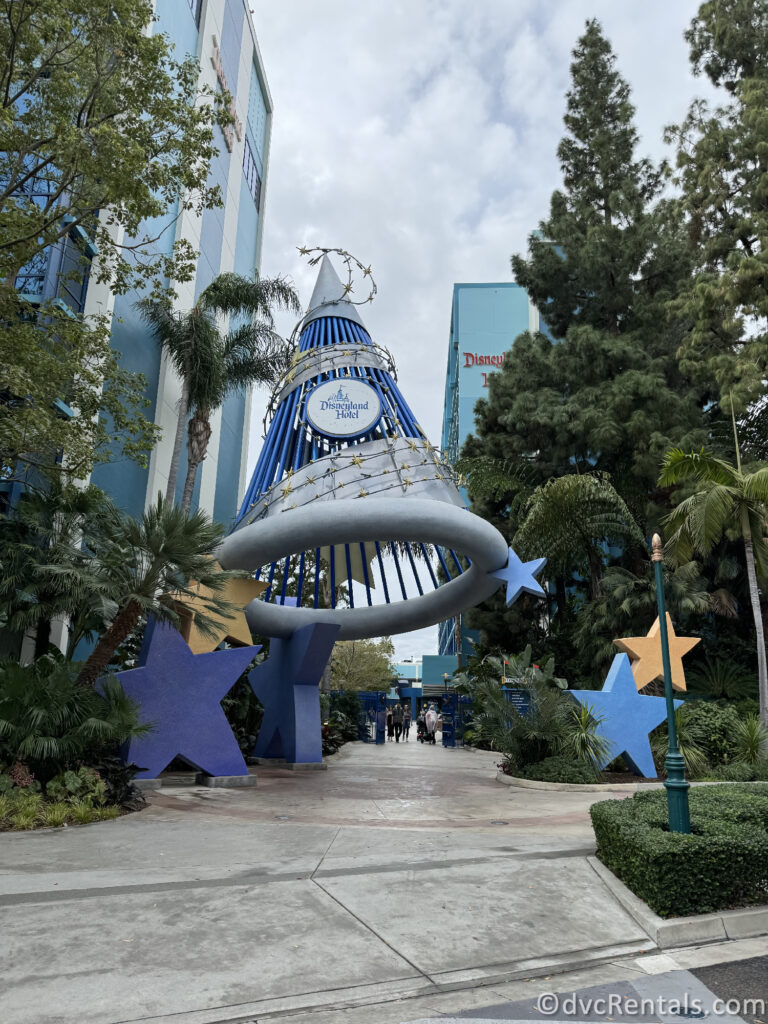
x=702, y=465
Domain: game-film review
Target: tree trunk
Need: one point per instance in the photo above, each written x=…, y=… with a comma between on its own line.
x=754, y=597
x=325, y=679
x=42, y=638
x=102, y=653
x=198, y=436
x=178, y=441
x=595, y=573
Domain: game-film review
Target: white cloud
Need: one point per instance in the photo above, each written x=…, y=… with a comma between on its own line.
x=421, y=136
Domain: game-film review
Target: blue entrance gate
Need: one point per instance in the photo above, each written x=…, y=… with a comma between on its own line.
x=372, y=720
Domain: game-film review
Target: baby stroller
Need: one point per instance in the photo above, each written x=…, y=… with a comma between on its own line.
x=421, y=729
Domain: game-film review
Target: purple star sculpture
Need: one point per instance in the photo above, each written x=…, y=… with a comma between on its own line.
x=287, y=685
x=180, y=694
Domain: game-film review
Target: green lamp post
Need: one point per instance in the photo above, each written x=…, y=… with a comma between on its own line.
x=676, y=785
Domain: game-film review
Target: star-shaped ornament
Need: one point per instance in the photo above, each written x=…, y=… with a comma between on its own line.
x=627, y=717
x=645, y=652
x=180, y=694
x=232, y=627
x=519, y=577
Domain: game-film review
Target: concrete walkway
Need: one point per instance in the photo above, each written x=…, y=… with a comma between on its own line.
x=402, y=871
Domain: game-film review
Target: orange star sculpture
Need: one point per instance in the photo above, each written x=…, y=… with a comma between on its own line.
x=645, y=652
x=233, y=628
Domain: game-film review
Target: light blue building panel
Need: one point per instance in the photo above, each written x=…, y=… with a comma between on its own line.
x=220, y=34
x=485, y=320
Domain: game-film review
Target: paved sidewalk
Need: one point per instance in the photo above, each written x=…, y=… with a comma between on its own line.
x=402, y=871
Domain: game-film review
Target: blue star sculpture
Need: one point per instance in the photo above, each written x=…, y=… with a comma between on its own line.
x=519, y=577
x=287, y=685
x=180, y=694
x=627, y=717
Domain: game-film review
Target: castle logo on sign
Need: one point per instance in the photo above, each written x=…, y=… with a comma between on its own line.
x=344, y=407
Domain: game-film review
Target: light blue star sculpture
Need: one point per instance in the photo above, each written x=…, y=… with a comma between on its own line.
x=519, y=577
x=180, y=694
x=627, y=717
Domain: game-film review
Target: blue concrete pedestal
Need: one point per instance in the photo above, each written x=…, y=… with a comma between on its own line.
x=287, y=684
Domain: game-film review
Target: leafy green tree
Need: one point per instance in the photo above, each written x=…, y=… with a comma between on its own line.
x=62, y=389
x=607, y=392
x=568, y=520
x=362, y=664
x=47, y=568
x=211, y=364
x=626, y=604
x=723, y=173
x=101, y=130
x=98, y=115
x=150, y=564
x=601, y=390
x=727, y=500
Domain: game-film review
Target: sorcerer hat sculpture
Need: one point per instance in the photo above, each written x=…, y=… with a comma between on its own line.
x=347, y=482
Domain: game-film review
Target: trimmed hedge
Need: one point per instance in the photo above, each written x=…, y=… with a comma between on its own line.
x=559, y=769
x=723, y=862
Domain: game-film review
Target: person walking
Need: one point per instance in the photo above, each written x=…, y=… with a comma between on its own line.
x=406, y=721
x=431, y=722
x=397, y=718
x=390, y=726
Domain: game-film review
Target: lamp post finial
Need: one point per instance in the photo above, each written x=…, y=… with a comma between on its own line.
x=658, y=550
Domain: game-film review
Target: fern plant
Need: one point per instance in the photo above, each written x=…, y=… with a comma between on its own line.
x=49, y=723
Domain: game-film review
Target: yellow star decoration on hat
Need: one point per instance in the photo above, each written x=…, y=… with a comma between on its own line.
x=645, y=652
x=233, y=627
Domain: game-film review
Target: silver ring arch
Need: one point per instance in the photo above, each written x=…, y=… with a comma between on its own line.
x=358, y=520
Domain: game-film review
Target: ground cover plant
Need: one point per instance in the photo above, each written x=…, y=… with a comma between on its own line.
x=59, y=747
x=340, y=710
x=723, y=863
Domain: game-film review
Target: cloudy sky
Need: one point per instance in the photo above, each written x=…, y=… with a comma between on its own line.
x=421, y=136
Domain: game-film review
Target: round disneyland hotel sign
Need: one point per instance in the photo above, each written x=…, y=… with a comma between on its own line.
x=344, y=407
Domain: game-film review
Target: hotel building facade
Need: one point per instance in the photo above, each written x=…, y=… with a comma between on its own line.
x=221, y=34
x=485, y=320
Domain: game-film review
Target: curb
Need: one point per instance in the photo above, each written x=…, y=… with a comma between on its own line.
x=278, y=1007
x=572, y=787
x=667, y=933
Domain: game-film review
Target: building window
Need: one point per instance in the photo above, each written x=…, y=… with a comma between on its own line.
x=251, y=172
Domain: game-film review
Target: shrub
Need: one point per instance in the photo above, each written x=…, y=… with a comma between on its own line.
x=21, y=810
x=719, y=678
x=49, y=724
x=83, y=784
x=722, y=863
x=738, y=771
x=54, y=815
x=559, y=769
x=751, y=740
x=346, y=704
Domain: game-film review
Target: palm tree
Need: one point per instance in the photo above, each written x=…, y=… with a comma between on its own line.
x=46, y=565
x=149, y=564
x=569, y=519
x=210, y=364
x=728, y=500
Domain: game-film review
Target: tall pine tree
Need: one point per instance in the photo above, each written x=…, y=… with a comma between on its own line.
x=604, y=390
x=723, y=162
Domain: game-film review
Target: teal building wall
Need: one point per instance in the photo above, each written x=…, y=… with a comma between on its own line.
x=485, y=320
x=191, y=26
